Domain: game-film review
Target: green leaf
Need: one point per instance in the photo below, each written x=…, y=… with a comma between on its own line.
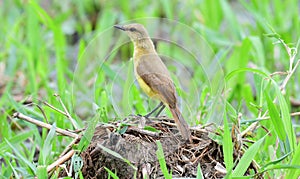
x=272, y=35
x=47, y=147
x=283, y=166
x=123, y=129
x=88, y=134
x=227, y=146
x=117, y=155
x=276, y=161
x=16, y=175
x=167, y=5
x=162, y=161
x=152, y=129
x=240, y=70
x=199, y=172
x=275, y=118
x=21, y=157
x=77, y=164
x=295, y=161
x=19, y=138
x=258, y=49
x=112, y=174
x=42, y=172
x=128, y=98
x=286, y=120
x=230, y=17
x=247, y=158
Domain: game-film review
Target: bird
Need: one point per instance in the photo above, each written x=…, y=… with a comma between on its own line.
x=153, y=75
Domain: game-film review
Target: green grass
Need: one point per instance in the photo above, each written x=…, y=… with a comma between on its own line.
x=224, y=58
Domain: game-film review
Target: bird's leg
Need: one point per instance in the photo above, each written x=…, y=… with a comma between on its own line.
x=155, y=109
x=161, y=109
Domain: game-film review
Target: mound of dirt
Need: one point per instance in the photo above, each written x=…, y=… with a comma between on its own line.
x=130, y=151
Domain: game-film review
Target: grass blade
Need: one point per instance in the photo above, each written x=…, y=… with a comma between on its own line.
x=16, y=175
x=199, y=172
x=162, y=161
x=112, y=174
x=295, y=160
x=117, y=155
x=275, y=118
x=227, y=146
x=246, y=159
x=21, y=157
x=47, y=147
x=42, y=172
x=15, y=140
x=286, y=120
x=88, y=134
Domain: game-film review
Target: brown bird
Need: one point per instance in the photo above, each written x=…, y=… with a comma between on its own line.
x=153, y=76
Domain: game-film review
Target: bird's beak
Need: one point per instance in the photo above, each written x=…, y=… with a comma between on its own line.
x=119, y=27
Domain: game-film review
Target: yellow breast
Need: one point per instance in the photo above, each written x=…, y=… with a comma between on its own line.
x=143, y=85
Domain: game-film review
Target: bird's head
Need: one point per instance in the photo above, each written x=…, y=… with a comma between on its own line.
x=136, y=32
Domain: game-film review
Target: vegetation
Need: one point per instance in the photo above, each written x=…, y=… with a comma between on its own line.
x=234, y=64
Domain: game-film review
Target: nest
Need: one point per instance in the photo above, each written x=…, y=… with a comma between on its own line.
x=129, y=148
x=139, y=147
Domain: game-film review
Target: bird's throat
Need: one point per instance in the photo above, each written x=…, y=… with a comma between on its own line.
x=145, y=44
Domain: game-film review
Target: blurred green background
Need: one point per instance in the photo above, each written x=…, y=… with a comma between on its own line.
x=70, y=48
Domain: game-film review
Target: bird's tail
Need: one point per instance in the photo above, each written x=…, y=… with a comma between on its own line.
x=181, y=124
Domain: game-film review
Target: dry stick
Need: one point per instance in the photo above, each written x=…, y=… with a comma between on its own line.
x=268, y=117
x=61, y=160
x=45, y=125
x=69, y=147
x=55, y=109
x=294, y=102
x=252, y=127
x=42, y=111
x=281, y=73
x=20, y=128
x=66, y=112
x=289, y=76
x=58, y=130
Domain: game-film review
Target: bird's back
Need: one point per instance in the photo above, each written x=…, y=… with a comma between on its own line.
x=150, y=70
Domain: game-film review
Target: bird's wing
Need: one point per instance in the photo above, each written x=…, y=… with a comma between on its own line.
x=155, y=74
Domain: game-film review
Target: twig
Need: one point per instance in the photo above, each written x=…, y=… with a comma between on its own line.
x=43, y=112
x=20, y=128
x=45, y=125
x=290, y=73
x=60, y=160
x=77, y=130
x=281, y=73
x=54, y=108
x=291, y=114
x=74, y=123
x=294, y=102
x=69, y=147
x=254, y=125
x=168, y=123
x=295, y=114
x=201, y=130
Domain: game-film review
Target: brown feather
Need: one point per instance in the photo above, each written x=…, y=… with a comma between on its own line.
x=152, y=74
x=181, y=124
x=157, y=79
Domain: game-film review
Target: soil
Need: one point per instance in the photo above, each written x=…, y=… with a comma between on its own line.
x=130, y=151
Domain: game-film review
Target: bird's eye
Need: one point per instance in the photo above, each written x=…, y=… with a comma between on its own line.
x=132, y=29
